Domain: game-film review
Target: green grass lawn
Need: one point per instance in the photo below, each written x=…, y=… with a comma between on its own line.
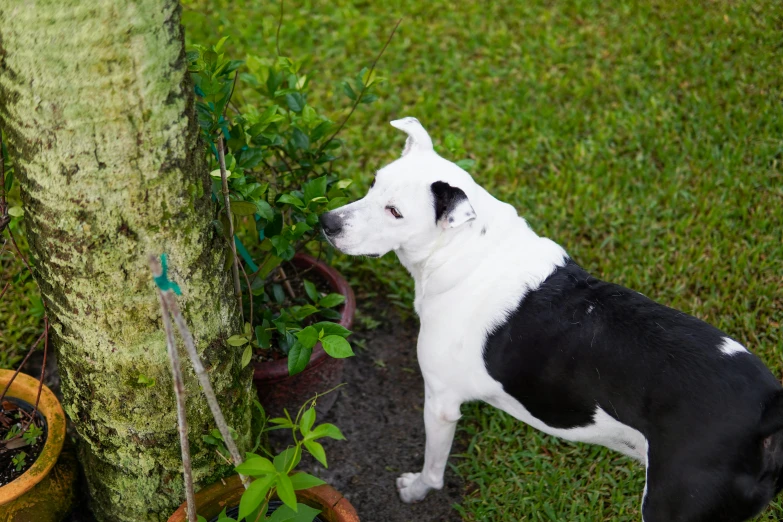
x=647, y=138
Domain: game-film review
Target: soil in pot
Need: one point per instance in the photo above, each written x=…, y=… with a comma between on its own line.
x=18, y=451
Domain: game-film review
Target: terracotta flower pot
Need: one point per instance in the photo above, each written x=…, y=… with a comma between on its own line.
x=276, y=389
x=38, y=494
x=211, y=500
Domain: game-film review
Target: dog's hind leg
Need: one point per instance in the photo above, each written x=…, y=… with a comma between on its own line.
x=440, y=422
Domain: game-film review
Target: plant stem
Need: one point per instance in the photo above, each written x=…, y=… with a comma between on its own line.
x=279, y=24
x=361, y=94
x=287, y=283
x=43, y=373
x=227, y=201
x=29, y=353
x=250, y=295
x=203, y=379
x=179, y=393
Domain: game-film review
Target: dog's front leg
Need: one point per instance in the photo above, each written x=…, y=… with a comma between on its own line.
x=440, y=422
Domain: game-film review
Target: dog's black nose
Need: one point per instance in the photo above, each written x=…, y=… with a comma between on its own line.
x=331, y=223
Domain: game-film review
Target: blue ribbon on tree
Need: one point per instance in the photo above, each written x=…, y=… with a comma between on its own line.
x=163, y=281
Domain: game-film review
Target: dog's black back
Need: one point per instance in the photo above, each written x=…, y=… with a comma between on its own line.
x=713, y=420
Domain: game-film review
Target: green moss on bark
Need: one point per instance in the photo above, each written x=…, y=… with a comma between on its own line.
x=95, y=99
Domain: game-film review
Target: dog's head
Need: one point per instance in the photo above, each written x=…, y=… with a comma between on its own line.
x=411, y=202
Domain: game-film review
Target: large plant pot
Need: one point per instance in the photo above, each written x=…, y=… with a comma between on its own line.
x=276, y=389
x=211, y=500
x=45, y=492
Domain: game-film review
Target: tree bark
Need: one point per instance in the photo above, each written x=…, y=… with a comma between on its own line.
x=97, y=105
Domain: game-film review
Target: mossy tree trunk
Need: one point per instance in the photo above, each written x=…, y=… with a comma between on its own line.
x=95, y=101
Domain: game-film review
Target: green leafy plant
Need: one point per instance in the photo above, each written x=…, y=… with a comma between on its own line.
x=19, y=460
x=31, y=435
x=278, y=154
x=277, y=477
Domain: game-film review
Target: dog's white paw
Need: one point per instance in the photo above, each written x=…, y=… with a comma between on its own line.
x=411, y=487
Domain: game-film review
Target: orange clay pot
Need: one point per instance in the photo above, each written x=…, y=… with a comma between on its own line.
x=25, y=388
x=211, y=500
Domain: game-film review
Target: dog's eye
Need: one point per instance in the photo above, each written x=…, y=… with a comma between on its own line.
x=394, y=212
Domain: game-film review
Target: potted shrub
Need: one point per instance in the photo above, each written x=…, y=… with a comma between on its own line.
x=31, y=442
x=273, y=172
x=260, y=481
x=277, y=491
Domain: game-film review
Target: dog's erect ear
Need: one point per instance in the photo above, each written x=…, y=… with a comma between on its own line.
x=452, y=207
x=418, y=139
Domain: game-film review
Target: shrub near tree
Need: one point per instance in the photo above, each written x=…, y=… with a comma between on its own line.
x=97, y=101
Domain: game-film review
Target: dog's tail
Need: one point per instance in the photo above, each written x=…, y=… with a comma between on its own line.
x=772, y=418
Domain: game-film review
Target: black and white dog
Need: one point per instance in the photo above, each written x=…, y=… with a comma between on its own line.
x=508, y=318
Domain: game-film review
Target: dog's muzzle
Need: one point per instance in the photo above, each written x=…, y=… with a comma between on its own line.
x=331, y=224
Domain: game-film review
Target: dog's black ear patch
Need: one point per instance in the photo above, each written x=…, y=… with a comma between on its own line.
x=447, y=200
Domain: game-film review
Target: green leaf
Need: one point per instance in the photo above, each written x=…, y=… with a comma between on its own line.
x=305, y=481
x=243, y=208
x=343, y=183
x=247, y=355
x=336, y=203
x=330, y=328
x=325, y=430
x=262, y=336
x=264, y=209
x=317, y=451
x=220, y=43
x=328, y=313
x=349, y=91
x=285, y=490
x=256, y=466
x=295, y=101
x=308, y=336
x=237, y=340
x=284, y=513
x=300, y=139
x=282, y=422
x=288, y=459
x=336, y=346
x=332, y=300
x=255, y=494
x=307, y=420
x=202, y=519
x=16, y=211
x=298, y=357
x=315, y=188
x=304, y=311
x=311, y=291
x=291, y=200
x=9, y=180
x=277, y=290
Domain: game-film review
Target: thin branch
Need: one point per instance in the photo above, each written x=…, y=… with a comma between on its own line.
x=29, y=353
x=287, y=283
x=179, y=393
x=3, y=204
x=231, y=94
x=43, y=374
x=361, y=94
x=203, y=379
x=279, y=24
x=227, y=201
x=249, y=294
